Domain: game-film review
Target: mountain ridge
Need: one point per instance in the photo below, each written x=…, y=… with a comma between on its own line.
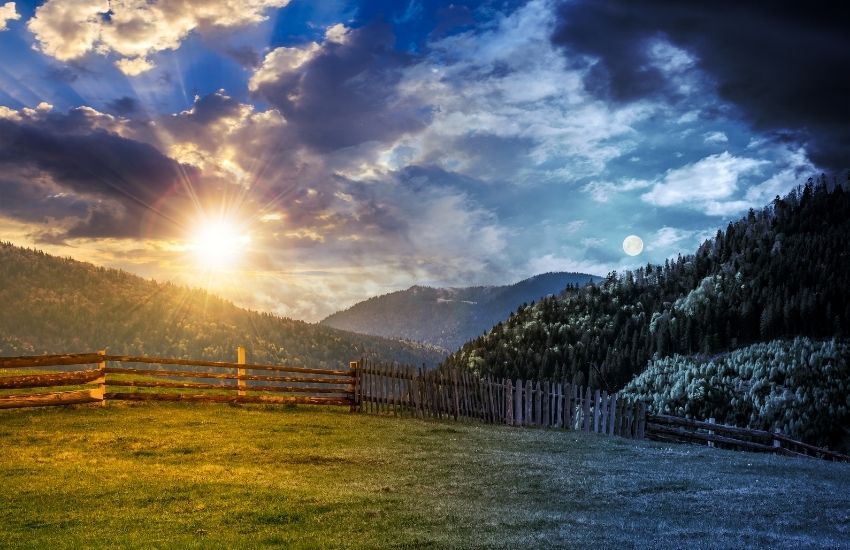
x=447, y=316
x=61, y=305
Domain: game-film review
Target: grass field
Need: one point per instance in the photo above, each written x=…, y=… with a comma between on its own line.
x=208, y=476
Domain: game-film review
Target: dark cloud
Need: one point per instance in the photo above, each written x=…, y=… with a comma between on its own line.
x=122, y=180
x=244, y=55
x=345, y=95
x=785, y=64
x=124, y=106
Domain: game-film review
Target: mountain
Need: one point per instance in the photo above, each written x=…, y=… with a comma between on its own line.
x=58, y=305
x=447, y=317
x=777, y=273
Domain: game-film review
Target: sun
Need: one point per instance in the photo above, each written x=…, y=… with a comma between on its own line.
x=218, y=245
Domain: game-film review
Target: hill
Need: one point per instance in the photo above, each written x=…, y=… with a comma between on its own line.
x=777, y=273
x=447, y=317
x=57, y=305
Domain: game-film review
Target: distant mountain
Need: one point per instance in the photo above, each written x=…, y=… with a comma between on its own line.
x=448, y=317
x=57, y=305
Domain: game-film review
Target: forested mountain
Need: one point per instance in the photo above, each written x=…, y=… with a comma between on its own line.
x=448, y=317
x=56, y=305
x=780, y=272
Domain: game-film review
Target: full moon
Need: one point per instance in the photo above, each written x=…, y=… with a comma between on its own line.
x=633, y=245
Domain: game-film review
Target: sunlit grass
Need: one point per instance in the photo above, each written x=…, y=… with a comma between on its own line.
x=196, y=475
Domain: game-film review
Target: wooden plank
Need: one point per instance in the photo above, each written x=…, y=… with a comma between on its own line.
x=228, y=376
x=518, y=417
x=612, y=413
x=509, y=403
x=355, y=365
x=596, y=404
x=556, y=405
x=603, y=413
x=544, y=402
x=240, y=360
x=641, y=420
x=75, y=397
x=49, y=380
x=209, y=398
x=491, y=397
x=586, y=410
x=28, y=361
x=569, y=404
x=226, y=387
x=221, y=364
x=682, y=433
x=455, y=390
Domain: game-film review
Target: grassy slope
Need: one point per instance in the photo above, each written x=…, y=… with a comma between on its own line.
x=222, y=476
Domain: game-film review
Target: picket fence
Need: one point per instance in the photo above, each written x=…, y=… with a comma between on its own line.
x=461, y=395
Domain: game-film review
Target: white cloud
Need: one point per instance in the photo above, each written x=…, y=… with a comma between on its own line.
x=671, y=239
x=507, y=81
x=8, y=13
x=715, y=138
x=705, y=185
x=133, y=30
x=601, y=191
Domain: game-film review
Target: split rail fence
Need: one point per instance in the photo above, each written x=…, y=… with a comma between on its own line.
x=686, y=430
x=132, y=378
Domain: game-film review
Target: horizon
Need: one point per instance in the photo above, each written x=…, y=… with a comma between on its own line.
x=298, y=158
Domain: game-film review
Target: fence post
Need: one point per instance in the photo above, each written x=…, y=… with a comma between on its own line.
x=355, y=398
x=240, y=359
x=102, y=380
x=585, y=410
x=597, y=401
x=776, y=443
x=509, y=402
x=603, y=414
x=518, y=416
x=641, y=422
x=711, y=432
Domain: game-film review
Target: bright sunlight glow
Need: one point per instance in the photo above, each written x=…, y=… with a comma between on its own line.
x=218, y=245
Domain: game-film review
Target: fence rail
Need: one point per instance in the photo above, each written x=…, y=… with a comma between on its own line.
x=221, y=382
x=674, y=428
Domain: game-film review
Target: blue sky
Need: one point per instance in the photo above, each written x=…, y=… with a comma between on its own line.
x=342, y=149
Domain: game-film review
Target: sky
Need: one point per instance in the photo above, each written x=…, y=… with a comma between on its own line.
x=299, y=156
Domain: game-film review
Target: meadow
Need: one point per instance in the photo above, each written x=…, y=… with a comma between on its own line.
x=218, y=476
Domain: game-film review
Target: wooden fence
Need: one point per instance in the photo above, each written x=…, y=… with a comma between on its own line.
x=133, y=379
x=372, y=388
x=674, y=428
x=459, y=395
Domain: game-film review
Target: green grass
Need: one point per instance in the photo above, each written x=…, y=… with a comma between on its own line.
x=217, y=476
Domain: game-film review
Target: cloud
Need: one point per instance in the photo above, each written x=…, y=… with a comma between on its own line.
x=715, y=138
x=601, y=191
x=681, y=240
x=705, y=184
x=343, y=92
x=8, y=13
x=134, y=30
x=507, y=107
x=73, y=157
x=784, y=66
